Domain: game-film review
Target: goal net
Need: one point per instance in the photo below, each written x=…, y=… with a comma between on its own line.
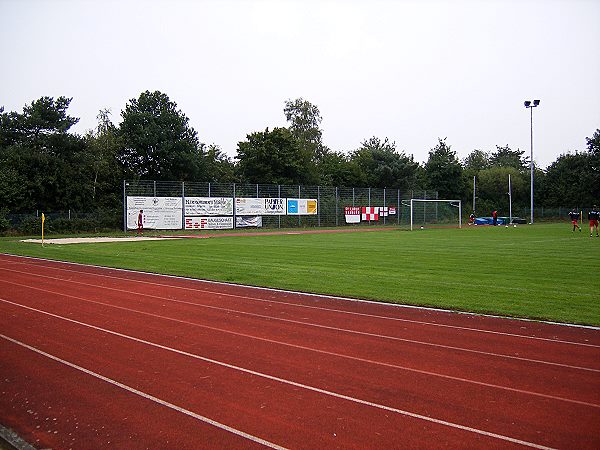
x=435, y=213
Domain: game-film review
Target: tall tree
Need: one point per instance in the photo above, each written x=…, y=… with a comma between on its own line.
x=380, y=165
x=272, y=157
x=505, y=157
x=305, y=121
x=570, y=182
x=593, y=145
x=41, y=161
x=475, y=161
x=157, y=141
x=217, y=166
x=443, y=171
x=103, y=146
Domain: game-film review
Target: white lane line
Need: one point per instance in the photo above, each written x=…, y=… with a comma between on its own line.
x=308, y=324
x=148, y=396
x=434, y=324
x=325, y=352
x=293, y=383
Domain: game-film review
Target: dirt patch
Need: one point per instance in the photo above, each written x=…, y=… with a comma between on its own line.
x=95, y=240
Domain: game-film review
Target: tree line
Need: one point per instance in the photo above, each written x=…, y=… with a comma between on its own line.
x=46, y=166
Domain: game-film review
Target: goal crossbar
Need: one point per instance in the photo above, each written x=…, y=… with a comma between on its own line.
x=455, y=203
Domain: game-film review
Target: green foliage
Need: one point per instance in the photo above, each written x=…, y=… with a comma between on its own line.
x=476, y=161
x=570, y=181
x=380, y=165
x=444, y=172
x=218, y=166
x=505, y=157
x=157, y=141
x=4, y=222
x=273, y=157
x=492, y=189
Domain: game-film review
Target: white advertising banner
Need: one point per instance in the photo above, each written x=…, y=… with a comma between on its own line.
x=301, y=206
x=209, y=206
x=260, y=206
x=208, y=223
x=246, y=222
x=158, y=213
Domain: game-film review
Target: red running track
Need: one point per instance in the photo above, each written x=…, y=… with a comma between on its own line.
x=95, y=358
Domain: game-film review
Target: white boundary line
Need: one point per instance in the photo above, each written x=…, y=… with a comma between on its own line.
x=280, y=319
x=147, y=396
x=333, y=297
x=266, y=376
x=340, y=355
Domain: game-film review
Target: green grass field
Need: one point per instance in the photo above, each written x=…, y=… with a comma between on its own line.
x=543, y=271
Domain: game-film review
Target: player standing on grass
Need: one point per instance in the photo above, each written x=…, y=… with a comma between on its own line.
x=140, y=222
x=574, y=215
x=594, y=216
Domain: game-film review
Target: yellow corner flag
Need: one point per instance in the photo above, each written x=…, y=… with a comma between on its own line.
x=43, y=220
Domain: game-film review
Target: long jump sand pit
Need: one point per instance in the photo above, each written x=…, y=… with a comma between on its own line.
x=95, y=240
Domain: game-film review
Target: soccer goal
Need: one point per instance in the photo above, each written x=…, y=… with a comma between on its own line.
x=435, y=213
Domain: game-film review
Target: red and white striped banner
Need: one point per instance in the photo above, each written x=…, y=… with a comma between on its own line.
x=370, y=213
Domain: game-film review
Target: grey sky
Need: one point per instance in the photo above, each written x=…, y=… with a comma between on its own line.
x=411, y=71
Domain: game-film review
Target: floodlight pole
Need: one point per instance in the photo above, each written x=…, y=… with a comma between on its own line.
x=530, y=106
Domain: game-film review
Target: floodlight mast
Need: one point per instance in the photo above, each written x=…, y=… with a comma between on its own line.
x=530, y=106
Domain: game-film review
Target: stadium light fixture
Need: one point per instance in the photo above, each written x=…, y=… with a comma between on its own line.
x=530, y=107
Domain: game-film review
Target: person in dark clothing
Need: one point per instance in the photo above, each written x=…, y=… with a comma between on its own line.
x=574, y=215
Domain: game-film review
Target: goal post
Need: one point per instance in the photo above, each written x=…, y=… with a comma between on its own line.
x=439, y=212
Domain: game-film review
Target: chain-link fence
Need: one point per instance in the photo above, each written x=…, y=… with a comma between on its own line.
x=331, y=201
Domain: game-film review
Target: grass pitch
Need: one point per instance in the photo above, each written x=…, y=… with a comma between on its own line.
x=543, y=271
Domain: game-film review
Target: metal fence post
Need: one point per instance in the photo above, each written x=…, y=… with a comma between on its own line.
x=384, y=205
x=336, y=207
x=318, y=206
x=124, y=207
x=183, y=205
x=234, y=216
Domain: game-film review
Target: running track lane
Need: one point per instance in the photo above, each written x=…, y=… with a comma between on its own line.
x=297, y=371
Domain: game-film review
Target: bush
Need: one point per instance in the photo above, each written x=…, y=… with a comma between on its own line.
x=4, y=222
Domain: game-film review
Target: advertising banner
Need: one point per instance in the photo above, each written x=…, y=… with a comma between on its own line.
x=260, y=206
x=246, y=222
x=158, y=213
x=209, y=206
x=370, y=213
x=301, y=206
x=208, y=223
x=352, y=214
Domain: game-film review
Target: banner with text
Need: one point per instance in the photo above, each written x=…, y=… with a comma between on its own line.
x=352, y=214
x=301, y=206
x=209, y=206
x=208, y=223
x=158, y=213
x=260, y=206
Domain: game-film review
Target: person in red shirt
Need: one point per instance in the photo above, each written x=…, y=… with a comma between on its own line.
x=593, y=217
x=495, y=217
x=574, y=215
x=140, y=222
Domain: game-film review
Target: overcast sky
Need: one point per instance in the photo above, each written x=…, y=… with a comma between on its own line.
x=411, y=71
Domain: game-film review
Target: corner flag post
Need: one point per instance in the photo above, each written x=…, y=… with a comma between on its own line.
x=43, y=220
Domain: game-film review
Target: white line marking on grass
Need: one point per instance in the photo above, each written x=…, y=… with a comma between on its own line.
x=309, y=324
x=287, y=382
x=325, y=352
x=379, y=304
x=147, y=396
